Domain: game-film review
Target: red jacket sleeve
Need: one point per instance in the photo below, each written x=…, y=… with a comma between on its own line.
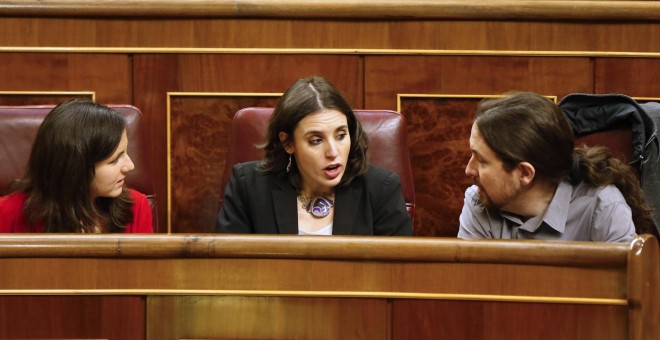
x=12, y=219
x=142, y=218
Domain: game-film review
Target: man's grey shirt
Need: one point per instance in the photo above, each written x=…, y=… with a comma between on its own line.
x=576, y=213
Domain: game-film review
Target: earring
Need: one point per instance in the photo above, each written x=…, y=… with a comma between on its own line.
x=288, y=166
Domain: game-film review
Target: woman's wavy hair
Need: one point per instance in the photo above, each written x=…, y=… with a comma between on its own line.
x=72, y=139
x=304, y=97
x=527, y=127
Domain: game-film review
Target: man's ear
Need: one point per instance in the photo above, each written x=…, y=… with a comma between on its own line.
x=527, y=173
x=284, y=139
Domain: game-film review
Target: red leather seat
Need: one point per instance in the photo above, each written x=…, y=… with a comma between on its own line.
x=388, y=144
x=18, y=129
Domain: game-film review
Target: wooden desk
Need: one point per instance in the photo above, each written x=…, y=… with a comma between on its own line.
x=275, y=287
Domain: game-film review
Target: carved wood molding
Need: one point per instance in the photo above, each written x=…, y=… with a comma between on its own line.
x=551, y=10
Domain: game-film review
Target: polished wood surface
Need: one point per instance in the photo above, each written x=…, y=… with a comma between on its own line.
x=644, y=294
x=236, y=317
x=352, y=9
x=310, y=36
x=489, y=320
x=42, y=78
x=308, y=247
x=230, y=286
x=72, y=317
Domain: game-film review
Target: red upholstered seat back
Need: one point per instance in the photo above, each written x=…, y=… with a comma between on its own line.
x=388, y=144
x=18, y=129
x=618, y=140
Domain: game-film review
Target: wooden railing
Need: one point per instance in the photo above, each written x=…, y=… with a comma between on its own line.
x=344, y=9
x=270, y=287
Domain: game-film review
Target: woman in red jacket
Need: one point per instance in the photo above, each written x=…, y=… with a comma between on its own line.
x=75, y=177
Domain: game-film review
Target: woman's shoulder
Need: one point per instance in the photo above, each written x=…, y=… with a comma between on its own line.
x=12, y=219
x=378, y=174
x=250, y=167
x=251, y=172
x=377, y=179
x=12, y=202
x=137, y=196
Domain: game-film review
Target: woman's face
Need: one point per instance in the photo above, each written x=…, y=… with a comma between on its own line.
x=110, y=173
x=321, y=144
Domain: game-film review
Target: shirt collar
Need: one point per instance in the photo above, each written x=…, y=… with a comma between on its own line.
x=556, y=214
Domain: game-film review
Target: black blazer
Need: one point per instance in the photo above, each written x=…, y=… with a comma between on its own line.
x=263, y=203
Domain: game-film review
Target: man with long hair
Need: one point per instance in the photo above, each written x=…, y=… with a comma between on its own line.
x=530, y=182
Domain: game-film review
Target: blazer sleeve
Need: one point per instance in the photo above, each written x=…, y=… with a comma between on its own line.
x=390, y=214
x=234, y=214
x=142, y=217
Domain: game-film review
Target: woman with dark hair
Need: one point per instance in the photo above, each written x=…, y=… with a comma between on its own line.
x=315, y=178
x=531, y=182
x=74, y=181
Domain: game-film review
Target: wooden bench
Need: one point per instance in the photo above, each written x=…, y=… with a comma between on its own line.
x=275, y=287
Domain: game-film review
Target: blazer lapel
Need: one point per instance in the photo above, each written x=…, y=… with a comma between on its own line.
x=347, y=210
x=284, y=202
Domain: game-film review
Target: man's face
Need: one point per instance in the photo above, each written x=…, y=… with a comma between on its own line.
x=498, y=188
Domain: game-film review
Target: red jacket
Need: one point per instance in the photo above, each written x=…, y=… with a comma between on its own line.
x=12, y=219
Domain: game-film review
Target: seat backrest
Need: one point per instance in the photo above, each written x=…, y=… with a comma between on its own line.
x=618, y=140
x=625, y=127
x=388, y=144
x=18, y=129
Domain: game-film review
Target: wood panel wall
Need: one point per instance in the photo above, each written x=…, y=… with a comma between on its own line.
x=190, y=67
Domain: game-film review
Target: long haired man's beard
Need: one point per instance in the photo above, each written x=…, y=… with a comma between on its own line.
x=484, y=199
x=483, y=196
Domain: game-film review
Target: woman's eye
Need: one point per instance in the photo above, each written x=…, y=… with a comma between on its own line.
x=114, y=161
x=342, y=135
x=315, y=141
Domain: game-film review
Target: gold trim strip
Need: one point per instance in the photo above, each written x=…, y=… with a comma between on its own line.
x=169, y=133
x=169, y=165
x=347, y=294
x=423, y=52
x=51, y=93
x=222, y=94
x=400, y=96
x=647, y=99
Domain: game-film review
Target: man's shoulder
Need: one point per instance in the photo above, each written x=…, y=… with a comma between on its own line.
x=472, y=196
x=605, y=193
